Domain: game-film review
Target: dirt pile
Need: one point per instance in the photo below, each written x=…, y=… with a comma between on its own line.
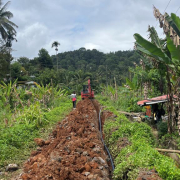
x=74, y=151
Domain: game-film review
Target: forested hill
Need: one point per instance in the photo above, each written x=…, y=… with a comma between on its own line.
x=74, y=68
x=114, y=64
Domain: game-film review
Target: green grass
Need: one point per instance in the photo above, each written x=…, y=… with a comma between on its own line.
x=17, y=141
x=140, y=152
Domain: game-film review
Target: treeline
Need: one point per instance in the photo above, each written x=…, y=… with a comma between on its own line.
x=73, y=68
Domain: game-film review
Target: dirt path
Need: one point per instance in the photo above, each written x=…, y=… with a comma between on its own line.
x=74, y=150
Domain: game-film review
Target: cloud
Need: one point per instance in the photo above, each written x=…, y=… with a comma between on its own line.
x=107, y=25
x=31, y=37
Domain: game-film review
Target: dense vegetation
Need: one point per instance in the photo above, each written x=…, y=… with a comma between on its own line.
x=24, y=114
x=132, y=147
x=74, y=67
x=121, y=78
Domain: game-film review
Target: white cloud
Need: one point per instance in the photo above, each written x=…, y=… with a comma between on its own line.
x=31, y=37
x=107, y=25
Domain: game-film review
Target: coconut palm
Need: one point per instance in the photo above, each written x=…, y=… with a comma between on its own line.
x=56, y=44
x=5, y=24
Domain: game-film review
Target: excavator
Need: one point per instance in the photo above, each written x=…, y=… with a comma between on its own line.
x=87, y=91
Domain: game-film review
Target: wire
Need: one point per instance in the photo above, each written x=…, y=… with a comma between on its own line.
x=167, y=6
x=165, y=10
x=177, y=9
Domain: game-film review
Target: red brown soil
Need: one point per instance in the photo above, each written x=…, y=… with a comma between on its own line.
x=74, y=151
x=148, y=175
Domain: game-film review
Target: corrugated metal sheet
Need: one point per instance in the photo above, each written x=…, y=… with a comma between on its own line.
x=155, y=100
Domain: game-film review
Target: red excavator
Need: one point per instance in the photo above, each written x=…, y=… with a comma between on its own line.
x=87, y=91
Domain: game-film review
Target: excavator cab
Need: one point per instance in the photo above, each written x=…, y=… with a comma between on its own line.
x=87, y=91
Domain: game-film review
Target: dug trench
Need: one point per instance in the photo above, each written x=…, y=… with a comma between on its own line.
x=74, y=150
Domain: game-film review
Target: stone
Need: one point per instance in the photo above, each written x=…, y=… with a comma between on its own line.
x=87, y=167
x=39, y=141
x=92, y=124
x=12, y=167
x=97, y=150
x=47, y=142
x=25, y=177
x=55, y=157
x=100, y=167
x=91, y=176
x=85, y=153
x=99, y=160
x=79, y=150
x=86, y=173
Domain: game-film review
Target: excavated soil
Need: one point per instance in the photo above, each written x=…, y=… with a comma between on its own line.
x=74, y=150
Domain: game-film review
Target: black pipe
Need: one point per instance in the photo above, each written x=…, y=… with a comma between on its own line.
x=107, y=150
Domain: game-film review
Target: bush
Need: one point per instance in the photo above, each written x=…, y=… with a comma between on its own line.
x=139, y=153
x=162, y=128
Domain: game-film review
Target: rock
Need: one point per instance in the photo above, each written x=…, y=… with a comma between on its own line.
x=100, y=167
x=39, y=149
x=91, y=176
x=92, y=124
x=87, y=167
x=55, y=157
x=97, y=150
x=104, y=173
x=39, y=141
x=79, y=150
x=47, y=142
x=98, y=172
x=99, y=160
x=34, y=153
x=68, y=138
x=85, y=153
x=94, y=165
x=25, y=177
x=12, y=167
x=86, y=173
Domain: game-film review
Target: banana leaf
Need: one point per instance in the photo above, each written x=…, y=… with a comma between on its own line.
x=150, y=49
x=175, y=51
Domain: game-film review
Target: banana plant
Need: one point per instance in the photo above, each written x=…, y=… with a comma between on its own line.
x=167, y=56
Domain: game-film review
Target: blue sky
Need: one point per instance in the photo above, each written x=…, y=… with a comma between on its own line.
x=106, y=25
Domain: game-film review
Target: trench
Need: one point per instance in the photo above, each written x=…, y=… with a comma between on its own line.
x=74, y=151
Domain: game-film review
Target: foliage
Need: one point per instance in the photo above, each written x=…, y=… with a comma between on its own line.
x=162, y=128
x=5, y=24
x=125, y=100
x=75, y=66
x=24, y=113
x=139, y=153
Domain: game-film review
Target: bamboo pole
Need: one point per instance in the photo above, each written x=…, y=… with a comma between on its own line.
x=168, y=150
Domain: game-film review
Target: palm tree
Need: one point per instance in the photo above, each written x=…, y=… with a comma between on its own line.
x=5, y=24
x=56, y=44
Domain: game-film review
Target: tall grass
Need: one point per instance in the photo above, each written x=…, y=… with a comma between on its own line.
x=23, y=115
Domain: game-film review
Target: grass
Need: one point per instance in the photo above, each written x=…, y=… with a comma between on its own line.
x=17, y=141
x=140, y=152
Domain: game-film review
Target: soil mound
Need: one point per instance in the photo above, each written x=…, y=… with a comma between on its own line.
x=74, y=150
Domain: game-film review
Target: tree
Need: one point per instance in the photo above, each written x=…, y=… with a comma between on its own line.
x=165, y=55
x=56, y=44
x=44, y=59
x=5, y=24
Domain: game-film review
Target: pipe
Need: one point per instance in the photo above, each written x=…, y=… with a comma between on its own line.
x=107, y=150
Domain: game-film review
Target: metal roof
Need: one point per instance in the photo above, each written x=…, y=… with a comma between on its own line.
x=155, y=100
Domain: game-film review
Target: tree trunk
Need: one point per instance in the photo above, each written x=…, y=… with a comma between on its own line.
x=171, y=113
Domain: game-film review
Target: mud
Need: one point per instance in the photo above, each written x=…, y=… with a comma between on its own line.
x=74, y=150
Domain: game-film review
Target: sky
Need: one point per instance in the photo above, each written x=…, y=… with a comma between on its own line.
x=105, y=25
